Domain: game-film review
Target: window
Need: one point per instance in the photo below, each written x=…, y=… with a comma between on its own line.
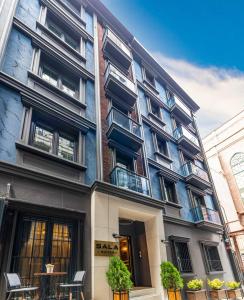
x=62, y=31
x=73, y=5
x=162, y=147
x=53, y=141
x=59, y=77
x=212, y=258
x=124, y=162
x=155, y=109
x=169, y=191
x=149, y=78
x=237, y=165
x=182, y=256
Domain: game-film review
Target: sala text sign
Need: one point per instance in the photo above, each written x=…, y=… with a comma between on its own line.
x=103, y=248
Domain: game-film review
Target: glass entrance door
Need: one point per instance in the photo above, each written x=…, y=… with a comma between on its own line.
x=40, y=241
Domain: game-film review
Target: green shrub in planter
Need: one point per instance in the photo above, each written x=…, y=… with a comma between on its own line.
x=233, y=285
x=195, y=284
x=118, y=276
x=170, y=276
x=215, y=284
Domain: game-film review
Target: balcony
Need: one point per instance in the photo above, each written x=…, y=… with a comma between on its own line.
x=113, y=45
x=180, y=109
x=124, y=130
x=196, y=175
x=120, y=85
x=127, y=179
x=186, y=139
x=206, y=218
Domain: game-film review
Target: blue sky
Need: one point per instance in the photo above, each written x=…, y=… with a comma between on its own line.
x=203, y=38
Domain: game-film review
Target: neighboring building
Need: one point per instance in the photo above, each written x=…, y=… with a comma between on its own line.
x=225, y=153
x=98, y=143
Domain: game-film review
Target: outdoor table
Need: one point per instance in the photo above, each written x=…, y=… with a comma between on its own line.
x=46, y=289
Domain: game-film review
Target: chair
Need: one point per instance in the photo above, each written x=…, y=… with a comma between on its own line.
x=13, y=285
x=78, y=282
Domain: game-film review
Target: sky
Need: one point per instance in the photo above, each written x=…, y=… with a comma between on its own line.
x=199, y=43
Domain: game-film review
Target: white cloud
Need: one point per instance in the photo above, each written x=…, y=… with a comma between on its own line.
x=219, y=92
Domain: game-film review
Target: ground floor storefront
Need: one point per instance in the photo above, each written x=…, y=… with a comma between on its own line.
x=44, y=223
x=138, y=230
x=197, y=253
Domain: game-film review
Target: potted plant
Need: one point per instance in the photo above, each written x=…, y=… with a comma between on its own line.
x=216, y=289
x=119, y=279
x=234, y=290
x=196, y=291
x=171, y=280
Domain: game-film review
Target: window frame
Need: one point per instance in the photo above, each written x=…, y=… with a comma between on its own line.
x=165, y=193
x=155, y=139
x=78, y=151
x=151, y=104
x=175, y=239
x=205, y=244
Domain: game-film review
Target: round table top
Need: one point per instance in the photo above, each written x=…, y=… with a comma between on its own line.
x=51, y=274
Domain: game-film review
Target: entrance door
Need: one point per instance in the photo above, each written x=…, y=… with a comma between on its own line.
x=133, y=251
x=40, y=241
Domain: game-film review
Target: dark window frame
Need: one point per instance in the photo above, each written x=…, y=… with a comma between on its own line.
x=181, y=240
x=210, y=268
x=55, y=140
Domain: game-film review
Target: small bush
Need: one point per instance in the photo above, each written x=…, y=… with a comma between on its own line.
x=215, y=284
x=118, y=276
x=170, y=276
x=233, y=285
x=195, y=284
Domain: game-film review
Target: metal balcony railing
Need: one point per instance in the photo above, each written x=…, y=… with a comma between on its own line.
x=117, y=41
x=129, y=180
x=114, y=72
x=202, y=213
x=175, y=101
x=115, y=116
x=181, y=131
x=190, y=168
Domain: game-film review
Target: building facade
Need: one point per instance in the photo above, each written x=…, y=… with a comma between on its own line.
x=98, y=143
x=224, y=150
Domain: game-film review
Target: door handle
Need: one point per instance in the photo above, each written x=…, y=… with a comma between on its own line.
x=140, y=255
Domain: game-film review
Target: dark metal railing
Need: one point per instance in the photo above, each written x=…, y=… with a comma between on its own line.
x=129, y=180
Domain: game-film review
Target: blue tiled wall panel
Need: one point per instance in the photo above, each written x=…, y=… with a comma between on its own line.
x=89, y=57
x=155, y=183
x=148, y=141
x=173, y=150
x=17, y=59
x=90, y=157
x=89, y=23
x=167, y=120
x=138, y=71
x=184, y=201
x=142, y=102
x=90, y=101
x=162, y=92
x=209, y=201
x=28, y=12
x=11, y=110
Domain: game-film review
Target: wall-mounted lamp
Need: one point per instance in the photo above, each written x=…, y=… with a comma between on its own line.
x=116, y=236
x=166, y=242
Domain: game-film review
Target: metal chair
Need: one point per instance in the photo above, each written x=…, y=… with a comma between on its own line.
x=13, y=285
x=78, y=283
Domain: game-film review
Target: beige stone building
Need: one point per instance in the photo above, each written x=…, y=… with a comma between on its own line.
x=224, y=149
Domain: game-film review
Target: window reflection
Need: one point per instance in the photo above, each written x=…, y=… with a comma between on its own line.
x=66, y=148
x=43, y=139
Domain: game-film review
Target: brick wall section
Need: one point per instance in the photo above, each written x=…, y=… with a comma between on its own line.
x=107, y=159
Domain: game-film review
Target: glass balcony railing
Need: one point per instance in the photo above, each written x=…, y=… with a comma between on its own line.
x=182, y=131
x=129, y=180
x=190, y=168
x=175, y=101
x=117, y=41
x=113, y=71
x=202, y=213
x=115, y=116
